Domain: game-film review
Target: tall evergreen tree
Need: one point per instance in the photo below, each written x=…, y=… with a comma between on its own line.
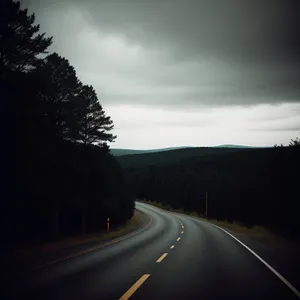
x=20, y=42
x=94, y=126
x=59, y=86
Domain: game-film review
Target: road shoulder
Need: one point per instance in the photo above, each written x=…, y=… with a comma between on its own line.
x=20, y=262
x=281, y=254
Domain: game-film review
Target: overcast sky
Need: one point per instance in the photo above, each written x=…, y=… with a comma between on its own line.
x=185, y=72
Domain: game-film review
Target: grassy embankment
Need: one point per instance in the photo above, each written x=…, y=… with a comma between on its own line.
x=27, y=252
x=257, y=232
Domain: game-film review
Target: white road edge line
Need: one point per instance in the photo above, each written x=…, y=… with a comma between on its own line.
x=289, y=285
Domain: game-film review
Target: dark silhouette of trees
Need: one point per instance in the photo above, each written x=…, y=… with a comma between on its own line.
x=277, y=146
x=94, y=126
x=21, y=43
x=58, y=88
x=252, y=187
x=295, y=142
x=65, y=180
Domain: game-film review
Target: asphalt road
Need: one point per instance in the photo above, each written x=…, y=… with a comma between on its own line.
x=173, y=257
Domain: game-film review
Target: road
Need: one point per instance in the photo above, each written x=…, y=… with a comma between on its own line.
x=173, y=257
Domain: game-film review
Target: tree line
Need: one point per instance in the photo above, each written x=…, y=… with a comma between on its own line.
x=65, y=179
x=252, y=187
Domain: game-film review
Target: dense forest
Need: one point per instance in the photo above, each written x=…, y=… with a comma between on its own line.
x=65, y=181
x=250, y=186
x=163, y=157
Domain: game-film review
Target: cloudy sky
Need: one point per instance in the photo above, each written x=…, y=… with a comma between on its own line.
x=185, y=72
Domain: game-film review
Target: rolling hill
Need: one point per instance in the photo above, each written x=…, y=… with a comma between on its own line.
x=120, y=152
x=170, y=156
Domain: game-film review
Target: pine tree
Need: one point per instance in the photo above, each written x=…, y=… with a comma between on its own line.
x=59, y=86
x=20, y=42
x=94, y=125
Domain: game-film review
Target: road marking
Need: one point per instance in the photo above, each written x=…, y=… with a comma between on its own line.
x=96, y=248
x=172, y=246
x=178, y=239
x=289, y=285
x=133, y=289
x=182, y=232
x=285, y=281
x=162, y=257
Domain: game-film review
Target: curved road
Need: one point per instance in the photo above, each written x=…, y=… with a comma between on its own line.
x=174, y=257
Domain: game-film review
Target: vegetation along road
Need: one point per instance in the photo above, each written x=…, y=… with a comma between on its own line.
x=163, y=261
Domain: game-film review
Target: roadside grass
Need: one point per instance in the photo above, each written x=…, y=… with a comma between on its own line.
x=131, y=224
x=259, y=233
x=163, y=206
x=27, y=252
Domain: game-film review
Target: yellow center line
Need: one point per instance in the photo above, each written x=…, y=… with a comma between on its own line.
x=132, y=290
x=162, y=257
x=172, y=246
x=178, y=239
x=181, y=232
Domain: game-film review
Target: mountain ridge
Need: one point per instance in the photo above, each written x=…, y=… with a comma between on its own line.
x=123, y=151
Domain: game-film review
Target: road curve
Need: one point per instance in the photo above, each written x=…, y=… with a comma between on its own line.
x=175, y=257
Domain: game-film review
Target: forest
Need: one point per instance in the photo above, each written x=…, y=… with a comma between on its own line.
x=250, y=186
x=60, y=179
x=59, y=176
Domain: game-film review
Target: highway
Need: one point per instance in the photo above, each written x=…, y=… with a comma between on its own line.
x=173, y=257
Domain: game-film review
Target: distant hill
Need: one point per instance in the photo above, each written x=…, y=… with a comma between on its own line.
x=169, y=156
x=119, y=152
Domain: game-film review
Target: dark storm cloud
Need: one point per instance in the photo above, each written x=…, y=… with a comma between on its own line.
x=257, y=43
x=244, y=31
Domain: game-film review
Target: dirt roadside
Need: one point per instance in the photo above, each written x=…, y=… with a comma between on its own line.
x=23, y=259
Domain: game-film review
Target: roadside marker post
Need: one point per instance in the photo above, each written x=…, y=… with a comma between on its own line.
x=107, y=224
